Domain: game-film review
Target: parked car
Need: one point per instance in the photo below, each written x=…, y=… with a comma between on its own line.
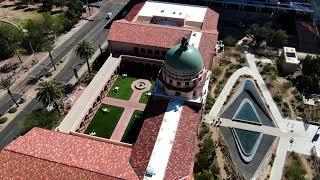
x=109, y=15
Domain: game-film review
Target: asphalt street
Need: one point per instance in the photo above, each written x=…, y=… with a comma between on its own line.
x=93, y=31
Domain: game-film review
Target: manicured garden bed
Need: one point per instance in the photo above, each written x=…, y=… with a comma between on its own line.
x=132, y=131
x=103, y=123
x=124, y=85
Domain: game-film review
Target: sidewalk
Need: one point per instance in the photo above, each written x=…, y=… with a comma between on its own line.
x=58, y=41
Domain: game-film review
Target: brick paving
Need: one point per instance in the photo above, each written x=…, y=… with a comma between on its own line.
x=129, y=107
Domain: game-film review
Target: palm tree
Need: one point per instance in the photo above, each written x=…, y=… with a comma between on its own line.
x=5, y=83
x=85, y=50
x=50, y=92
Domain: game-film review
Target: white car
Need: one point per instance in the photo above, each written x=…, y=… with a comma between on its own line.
x=109, y=15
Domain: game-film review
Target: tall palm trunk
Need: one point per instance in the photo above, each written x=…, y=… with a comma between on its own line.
x=57, y=106
x=87, y=60
x=10, y=93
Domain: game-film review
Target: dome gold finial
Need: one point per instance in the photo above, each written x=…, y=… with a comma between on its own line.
x=184, y=42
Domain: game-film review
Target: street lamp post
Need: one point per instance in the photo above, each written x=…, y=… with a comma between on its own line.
x=17, y=52
x=54, y=66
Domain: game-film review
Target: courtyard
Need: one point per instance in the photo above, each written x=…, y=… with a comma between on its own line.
x=120, y=115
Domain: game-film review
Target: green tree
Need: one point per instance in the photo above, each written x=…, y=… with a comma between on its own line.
x=10, y=38
x=279, y=38
x=40, y=33
x=229, y=41
x=46, y=5
x=311, y=65
x=5, y=84
x=204, y=175
x=75, y=10
x=50, y=93
x=85, y=50
x=296, y=170
x=260, y=33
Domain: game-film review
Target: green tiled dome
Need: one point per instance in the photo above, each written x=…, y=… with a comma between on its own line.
x=184, y=59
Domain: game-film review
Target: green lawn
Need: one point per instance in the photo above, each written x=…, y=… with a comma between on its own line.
x=144, y=98
x=103, y=123
x=125, y=91
x=40, y=118
x=133, y=128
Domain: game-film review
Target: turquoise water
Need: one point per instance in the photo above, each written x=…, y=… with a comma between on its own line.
x=247, y=139
x=247, y=113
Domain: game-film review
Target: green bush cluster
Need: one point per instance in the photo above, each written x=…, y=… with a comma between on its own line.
x=3, y=119
x=13, y=110
x=22, y=100
x=204, y=166
x=296, y=169
x=48, y=74
x=229, y=41
x=309, y=82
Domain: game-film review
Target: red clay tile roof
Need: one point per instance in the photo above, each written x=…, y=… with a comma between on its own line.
x=207, y=48
x=84, y=153
x=134, y=11
x=146, y=34
x=210, y=21
x=181, y=159
x=142, y=150
x=19, y=166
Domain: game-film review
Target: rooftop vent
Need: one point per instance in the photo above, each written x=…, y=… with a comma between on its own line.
x=150, y=172
x=180, y=13
x=162, y=11
x=174, y=12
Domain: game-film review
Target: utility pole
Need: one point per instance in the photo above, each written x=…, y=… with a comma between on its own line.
x=100, y=48
x=17, y=52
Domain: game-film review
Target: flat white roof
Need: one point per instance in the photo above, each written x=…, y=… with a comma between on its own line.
x=290, y=55
x=195, y=39
x=161, y=152
x=181, y=11
x=88, y=97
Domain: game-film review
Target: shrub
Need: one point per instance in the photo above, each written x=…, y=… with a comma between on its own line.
x=3, y=119
x=216, y=71
x=229, y=41
x=286, y=86
x=296, y=169
x=13, y=110
x=277, y=98
x=49, y=74
x=22, y=100
x=204, y=130
x=261, y=52
x=241, y=47
x=204, y=175
x=214, y=169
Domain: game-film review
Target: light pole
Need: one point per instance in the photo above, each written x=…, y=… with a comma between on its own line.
x=54, y=66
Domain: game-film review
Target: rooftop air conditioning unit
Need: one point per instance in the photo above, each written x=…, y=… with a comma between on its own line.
x=150, y=172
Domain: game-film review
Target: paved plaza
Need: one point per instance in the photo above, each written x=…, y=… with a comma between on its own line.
x=129, y=107
x=285, y=129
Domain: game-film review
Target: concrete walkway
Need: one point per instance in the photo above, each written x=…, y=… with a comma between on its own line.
x=301, y=133
x=216, y=108
x=129, y=108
